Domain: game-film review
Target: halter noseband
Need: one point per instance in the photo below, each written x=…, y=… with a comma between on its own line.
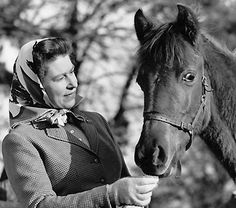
x=188, y=127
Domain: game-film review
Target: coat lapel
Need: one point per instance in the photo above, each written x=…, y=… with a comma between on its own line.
x=60, y=134
x=91, y=133
x=87, y=127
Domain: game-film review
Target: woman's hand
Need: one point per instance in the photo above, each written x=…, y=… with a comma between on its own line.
x=133, y=190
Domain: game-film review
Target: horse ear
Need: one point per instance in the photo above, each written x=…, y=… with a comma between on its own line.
x=141, y=24
x=187, y=23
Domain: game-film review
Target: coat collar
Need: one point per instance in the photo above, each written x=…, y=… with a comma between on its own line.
x=90, y=131
x=81, y=120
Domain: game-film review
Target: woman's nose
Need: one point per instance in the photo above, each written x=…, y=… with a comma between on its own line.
x=72, y=81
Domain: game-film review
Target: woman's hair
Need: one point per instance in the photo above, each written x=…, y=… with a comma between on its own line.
x=48, y=50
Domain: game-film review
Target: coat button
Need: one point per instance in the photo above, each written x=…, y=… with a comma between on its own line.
x=102, y=180
x=96, y=160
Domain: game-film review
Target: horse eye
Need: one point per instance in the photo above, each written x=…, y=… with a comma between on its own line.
x=189, y=77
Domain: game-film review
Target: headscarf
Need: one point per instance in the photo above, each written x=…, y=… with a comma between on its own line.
x=29, y=102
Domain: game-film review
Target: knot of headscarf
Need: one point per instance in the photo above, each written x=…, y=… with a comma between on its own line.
x=54, y=117
x=28, y=99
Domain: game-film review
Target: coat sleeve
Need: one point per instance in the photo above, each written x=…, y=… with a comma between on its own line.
x=30, y=181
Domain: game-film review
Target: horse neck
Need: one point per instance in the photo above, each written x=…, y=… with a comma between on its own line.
x=221, y=70
x=221, y=131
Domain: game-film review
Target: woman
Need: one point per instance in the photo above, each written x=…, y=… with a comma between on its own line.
x=56, y=155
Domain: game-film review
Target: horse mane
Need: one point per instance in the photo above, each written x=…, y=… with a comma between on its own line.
x=221, y=64
x=164, y=44
x=219, y=46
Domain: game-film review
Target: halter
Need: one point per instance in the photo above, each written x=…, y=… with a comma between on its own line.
x=187, y=127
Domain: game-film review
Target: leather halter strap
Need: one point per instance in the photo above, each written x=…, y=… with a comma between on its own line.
x=188, y=127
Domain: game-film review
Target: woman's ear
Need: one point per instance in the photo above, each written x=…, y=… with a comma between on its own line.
x=141, y=24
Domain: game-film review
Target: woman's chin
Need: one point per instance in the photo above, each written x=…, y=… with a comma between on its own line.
x=69, y=104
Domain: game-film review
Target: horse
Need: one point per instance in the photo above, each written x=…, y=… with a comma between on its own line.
x=188, y=80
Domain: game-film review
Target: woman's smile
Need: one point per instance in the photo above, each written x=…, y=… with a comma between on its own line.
x=71, y=95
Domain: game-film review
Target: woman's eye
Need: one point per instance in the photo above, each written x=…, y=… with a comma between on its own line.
x=60, y=78
x=189, y=77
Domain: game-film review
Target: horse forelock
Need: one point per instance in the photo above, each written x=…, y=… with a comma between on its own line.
x=163, y=46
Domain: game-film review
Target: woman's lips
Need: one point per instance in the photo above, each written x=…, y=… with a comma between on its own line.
x=70, y=95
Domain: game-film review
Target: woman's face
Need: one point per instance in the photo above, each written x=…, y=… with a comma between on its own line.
x=60, y=82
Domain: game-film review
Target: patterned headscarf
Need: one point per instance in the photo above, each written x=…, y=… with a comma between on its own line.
x=29, y=102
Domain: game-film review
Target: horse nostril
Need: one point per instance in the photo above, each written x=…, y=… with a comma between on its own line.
x=159, y=156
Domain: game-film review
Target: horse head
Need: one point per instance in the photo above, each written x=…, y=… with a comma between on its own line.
x=172, y=77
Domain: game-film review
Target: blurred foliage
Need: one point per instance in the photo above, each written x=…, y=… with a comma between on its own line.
x=104, y=40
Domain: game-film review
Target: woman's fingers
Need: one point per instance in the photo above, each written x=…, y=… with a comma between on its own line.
x=134, y=190
x=146, y=188
x=144, y=197
x=146, y=184
x=144, y=180
x=144, y=194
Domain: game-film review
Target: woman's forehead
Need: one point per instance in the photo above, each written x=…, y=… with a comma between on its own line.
x=60, y=65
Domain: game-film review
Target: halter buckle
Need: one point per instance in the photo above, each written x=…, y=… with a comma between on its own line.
x=204, y=81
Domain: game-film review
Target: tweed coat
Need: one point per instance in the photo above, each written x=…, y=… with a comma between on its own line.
x=49, y=167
